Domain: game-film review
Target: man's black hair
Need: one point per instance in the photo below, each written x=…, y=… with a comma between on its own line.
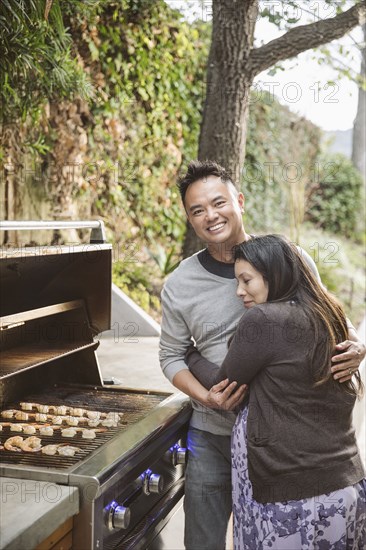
x=198, y=170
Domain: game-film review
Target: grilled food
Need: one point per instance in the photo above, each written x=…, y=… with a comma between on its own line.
x=31, y=444
x=40, y=417
x=16, y=427
x=29, y=429
x=50, y=449
x=88, y=434
x=68, y=432
x=9, y=413
x=67, y=450
x=27, y=406
x=14, y=443
x=45, y=430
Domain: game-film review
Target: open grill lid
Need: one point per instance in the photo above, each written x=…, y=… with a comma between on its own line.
x=53, y=300
x=38, y=277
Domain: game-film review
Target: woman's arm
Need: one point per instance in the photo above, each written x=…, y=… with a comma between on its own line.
x=205, y=371
x=247, y=354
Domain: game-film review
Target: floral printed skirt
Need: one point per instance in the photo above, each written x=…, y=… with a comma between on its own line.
x=327, y=522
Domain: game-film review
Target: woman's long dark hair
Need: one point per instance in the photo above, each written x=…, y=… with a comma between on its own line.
x=290, y=278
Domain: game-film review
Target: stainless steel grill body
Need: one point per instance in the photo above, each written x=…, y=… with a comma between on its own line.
x=52, y=306
x=114, y=470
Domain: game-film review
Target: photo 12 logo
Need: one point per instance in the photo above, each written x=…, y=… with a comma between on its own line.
x=292, y=92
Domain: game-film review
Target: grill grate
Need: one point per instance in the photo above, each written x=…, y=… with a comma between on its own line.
x=134, y=407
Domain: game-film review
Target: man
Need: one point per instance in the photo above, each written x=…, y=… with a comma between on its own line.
x=199, y=301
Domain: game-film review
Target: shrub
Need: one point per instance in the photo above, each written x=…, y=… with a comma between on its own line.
x=334, y=201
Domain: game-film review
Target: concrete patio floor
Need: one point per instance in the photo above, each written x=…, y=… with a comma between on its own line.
x=133, y=361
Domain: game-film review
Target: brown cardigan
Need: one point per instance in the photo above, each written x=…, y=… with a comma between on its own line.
x=300, y=438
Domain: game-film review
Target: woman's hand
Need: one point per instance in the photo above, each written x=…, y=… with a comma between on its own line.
x=347, y=363
x=225, y=396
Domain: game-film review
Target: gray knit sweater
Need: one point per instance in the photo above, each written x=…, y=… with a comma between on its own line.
x=201, y=305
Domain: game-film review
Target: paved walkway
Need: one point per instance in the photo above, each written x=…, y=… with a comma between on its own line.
x=133, y=361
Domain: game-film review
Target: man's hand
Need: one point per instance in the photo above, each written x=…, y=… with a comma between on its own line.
x=226, y=396
x=345, y=364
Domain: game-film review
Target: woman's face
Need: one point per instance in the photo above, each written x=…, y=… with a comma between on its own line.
x=252, y=287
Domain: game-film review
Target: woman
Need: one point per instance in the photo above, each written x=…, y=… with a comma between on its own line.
x=297, y=476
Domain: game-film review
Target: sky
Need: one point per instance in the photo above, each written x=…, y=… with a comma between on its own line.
x=308, y=88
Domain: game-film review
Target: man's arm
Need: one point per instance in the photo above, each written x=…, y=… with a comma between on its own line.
x=346, y=363
x=174, y=341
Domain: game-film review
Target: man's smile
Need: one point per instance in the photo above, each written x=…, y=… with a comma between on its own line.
x=216, y=227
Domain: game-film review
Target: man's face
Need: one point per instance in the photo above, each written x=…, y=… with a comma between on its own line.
x=215, y=211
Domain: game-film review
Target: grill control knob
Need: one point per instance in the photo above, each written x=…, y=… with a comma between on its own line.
x=178, y=455
x=121, y=517
x=153, y=483
x=118, y=517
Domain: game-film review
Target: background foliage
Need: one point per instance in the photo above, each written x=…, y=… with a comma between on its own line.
x=101, y=110
x=335, y=198
x=37, y=61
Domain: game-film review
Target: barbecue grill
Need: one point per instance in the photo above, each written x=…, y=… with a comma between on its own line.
x=54, y=303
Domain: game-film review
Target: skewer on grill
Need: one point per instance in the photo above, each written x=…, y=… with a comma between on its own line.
x=50, y=449
x=68, y=432
x=21, y=415
x=27, y=406
x=93, y=419
x=109, y=423
x=59, y=409
x=85, y=433
x=30, y=429
x=16, y=427
x=60, y=448
x=67, y=450
x=34, y=444
x=9, y=413
x=46, y=430
x=40, y=417
x=88, y=434
x=93, y=423
x=41, y=408
x=76, y=411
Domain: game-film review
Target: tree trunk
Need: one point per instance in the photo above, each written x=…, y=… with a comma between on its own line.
x=224, y=124
x=11, y=182
x=64, y=176
x=359, y=127
x=232, y=65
